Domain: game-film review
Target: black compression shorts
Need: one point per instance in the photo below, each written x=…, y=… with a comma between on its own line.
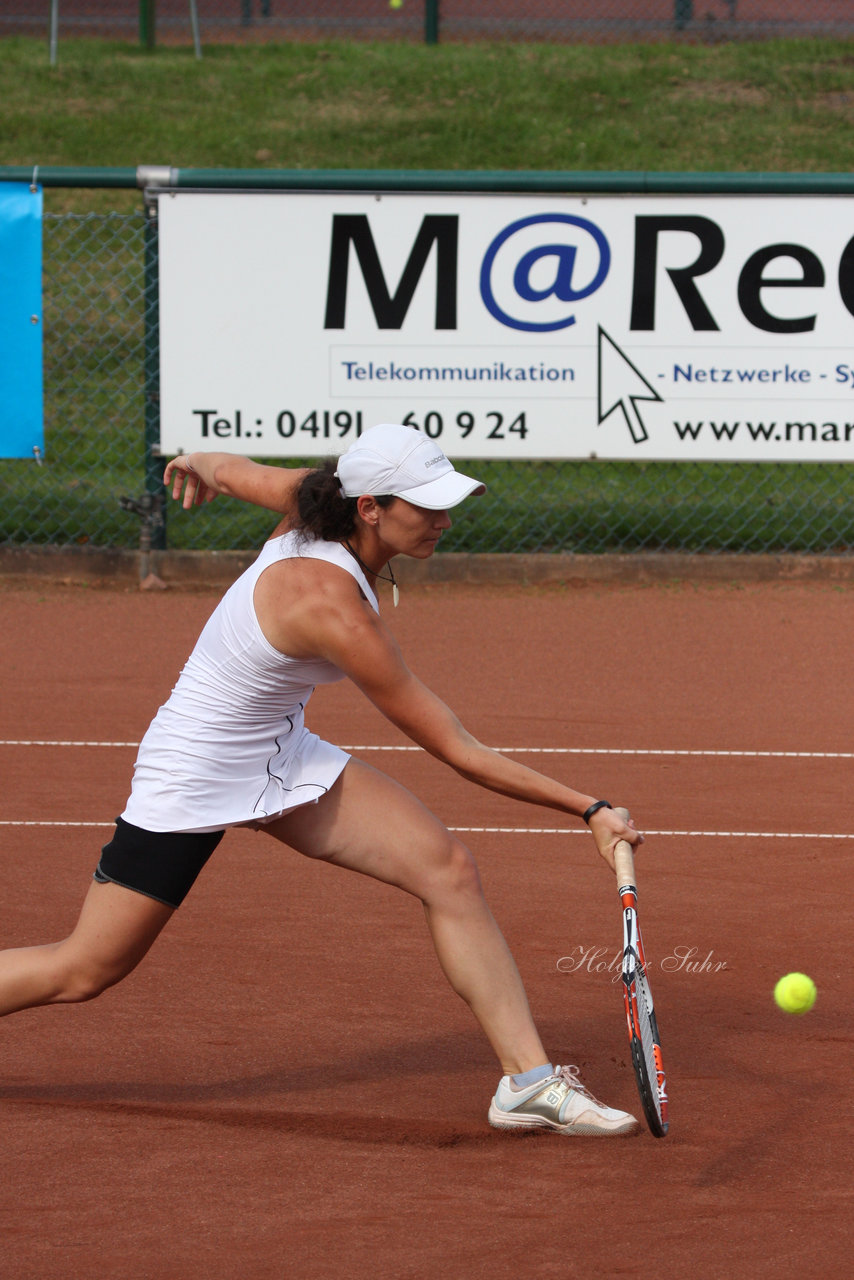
x=159, y=864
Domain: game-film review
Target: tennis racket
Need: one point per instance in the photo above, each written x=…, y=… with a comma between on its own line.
x=640, y=1014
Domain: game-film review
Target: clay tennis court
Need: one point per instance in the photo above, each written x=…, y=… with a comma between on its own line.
x=287, y=1087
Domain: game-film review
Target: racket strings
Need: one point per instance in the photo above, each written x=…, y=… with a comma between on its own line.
x=645, y=1017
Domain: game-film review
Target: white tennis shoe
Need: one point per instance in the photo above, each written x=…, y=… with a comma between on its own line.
x=559, y=1102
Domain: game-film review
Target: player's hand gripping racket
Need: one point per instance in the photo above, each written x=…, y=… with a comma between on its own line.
x=640, y=1014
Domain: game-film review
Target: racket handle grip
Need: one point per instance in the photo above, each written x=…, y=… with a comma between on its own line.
x=624, y=863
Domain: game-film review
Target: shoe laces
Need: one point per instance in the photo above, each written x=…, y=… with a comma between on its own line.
x=570, y=1077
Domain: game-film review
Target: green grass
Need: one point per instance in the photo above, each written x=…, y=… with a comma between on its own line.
x=776, y=105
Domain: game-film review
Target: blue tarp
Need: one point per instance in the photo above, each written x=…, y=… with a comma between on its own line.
x=21, y=417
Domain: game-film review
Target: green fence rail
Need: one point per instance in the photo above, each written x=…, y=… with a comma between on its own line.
x=99, y=472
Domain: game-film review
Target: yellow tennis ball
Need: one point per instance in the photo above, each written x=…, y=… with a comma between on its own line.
x=395, y=4
x=795, y=993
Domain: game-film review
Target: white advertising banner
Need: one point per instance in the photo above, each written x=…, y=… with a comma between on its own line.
x=509, y=326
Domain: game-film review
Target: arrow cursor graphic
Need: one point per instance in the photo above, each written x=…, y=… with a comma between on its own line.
x=621, y=386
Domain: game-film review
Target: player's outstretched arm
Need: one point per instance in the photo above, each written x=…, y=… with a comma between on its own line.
x=367, y=652
x=432, y=724
x=198, y=477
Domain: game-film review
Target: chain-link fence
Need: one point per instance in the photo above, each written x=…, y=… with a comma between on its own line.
x=431, y=20
x=95, y=352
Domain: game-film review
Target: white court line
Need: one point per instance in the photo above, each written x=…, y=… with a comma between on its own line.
x=13, y=823
x=726, y=835
x=526, y=831
x=548, y=831
x=44, y=742
x=514, y=751
x=641, y=751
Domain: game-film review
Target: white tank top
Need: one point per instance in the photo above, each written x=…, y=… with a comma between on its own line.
x=230, y=746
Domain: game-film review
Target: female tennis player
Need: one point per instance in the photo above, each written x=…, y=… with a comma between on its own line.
x=230, y=748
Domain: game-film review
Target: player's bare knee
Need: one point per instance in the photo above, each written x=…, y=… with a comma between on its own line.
x=82, y=981
x=458, y=876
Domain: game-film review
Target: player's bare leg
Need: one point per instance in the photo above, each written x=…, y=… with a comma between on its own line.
x=115, y=930
x=371, y=824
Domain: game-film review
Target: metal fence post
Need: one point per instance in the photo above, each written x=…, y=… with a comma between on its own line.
x=683, y=13
x=54, y=31
x=431, y=21
x=148, y=23
x=151, y=373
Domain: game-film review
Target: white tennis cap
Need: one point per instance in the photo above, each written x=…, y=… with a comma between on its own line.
x=392, y=459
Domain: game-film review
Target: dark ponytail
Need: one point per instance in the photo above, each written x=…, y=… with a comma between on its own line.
x=323, y=512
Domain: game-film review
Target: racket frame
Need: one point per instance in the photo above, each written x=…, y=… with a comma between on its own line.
x=637, y=997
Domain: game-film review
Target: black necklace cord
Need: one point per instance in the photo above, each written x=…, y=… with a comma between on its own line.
x=384, y=577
